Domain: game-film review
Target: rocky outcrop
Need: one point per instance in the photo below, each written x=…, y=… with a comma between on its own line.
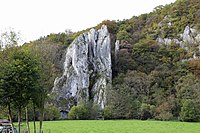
x=87, y=69
x=189, y=37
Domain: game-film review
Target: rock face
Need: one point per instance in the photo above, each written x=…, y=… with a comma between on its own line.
x=190, y=36
x=87, y=69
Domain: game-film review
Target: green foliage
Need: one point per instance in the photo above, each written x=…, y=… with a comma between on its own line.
x=84, y=111
x=124, y=63
x=3, y=113
x=107, y=114
x=9, y=39
x=62, y=38
x=138, y=82
x=188, y=95
x=165, y=21
x=146, y=55
x=123, y=103
x=189, y=111
x=51, y=113
x=94, y=111
x=155, y=71
x=146, y=111
x=79, y=112
x=186, y=87
x=73, y=113
x=123, y=35
x=164, y=111
x=111, y=25
x=150, y=81
x=19, y=77
x=49, y=55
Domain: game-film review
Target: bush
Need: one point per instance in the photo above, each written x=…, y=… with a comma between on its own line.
x=163, y=112
x=189, y=111
x=146, y=111
x=107, y=114
x=82, y=112
x=79, y=112
x=72, y=113
x=51, y=113
x=94, y=111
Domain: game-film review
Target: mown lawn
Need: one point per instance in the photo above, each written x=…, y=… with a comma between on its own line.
x=118, y=126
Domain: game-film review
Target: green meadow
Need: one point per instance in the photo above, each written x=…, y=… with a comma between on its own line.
x=117, y=126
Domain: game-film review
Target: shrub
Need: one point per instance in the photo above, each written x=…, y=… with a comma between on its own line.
x=189, y=111
x=163, y=112
x=145, y=111
x=82, y=112
x=79, y=112
x=107, y=114
x=72, y=113
x=51, y=113
x=94, y=111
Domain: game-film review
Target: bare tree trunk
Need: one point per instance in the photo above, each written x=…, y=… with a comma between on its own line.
x=19, y=119
x=34, y=116
x=10, y=117
x=41, y=117
x=27, y=122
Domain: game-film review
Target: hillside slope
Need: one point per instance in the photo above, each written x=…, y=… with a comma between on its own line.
x=155, y=64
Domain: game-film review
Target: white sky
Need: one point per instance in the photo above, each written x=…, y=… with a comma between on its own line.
x=36, y=18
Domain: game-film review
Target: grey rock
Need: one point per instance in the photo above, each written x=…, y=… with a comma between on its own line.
x=116, y=48
x=197, y=38
x=165, y=41
x=189, y=36
x=87, y=69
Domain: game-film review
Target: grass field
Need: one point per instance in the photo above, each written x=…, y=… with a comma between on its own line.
x=118, y=126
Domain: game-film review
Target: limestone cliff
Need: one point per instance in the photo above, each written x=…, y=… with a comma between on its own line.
x=87, y=69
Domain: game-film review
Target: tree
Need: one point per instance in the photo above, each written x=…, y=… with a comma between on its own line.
x=188, y=96
x=164, y=111
x=145, y=54
x=189, y=111
x=127, y=94
x=123, y=35
x=187, y=87
x=9, y=39
x=5, y=91
x=138, y=82
x=124, y=62
x=194, y=66
x=19, y=77
x=123, y=102
x=49, y=56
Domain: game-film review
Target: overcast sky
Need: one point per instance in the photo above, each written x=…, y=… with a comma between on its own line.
x=36, y=18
